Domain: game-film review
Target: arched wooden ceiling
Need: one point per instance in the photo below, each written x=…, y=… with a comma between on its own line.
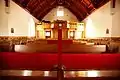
x=80, y=8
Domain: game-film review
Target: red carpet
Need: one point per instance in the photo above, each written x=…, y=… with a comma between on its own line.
x=56, y=41
x=40, y=61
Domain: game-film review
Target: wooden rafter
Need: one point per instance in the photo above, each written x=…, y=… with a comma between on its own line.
x=80, y=8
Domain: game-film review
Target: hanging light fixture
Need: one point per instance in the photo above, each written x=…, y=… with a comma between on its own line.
x=60, y=11
x=7, y=6
x=113, y=4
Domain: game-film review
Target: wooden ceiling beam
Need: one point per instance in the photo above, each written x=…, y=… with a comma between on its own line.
x=41, y=16
x=77, y=9
x=34, y=8
x=60, y=2
x=76, y=14
x=25, y=3
x=87, y=6
x=46, y=10
x=80, y=5
x=80, y=8
x=73, y=10
x=99, y=3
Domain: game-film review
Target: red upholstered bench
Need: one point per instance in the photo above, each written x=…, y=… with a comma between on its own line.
x=46, y=61
x=0, y=60
x=26, y=61
x=48, y=78
x=91, y=61
x=26, y=78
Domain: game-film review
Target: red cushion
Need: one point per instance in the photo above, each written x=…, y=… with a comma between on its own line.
x=12, y=60
x=91, y=61
x=26, y=78
x=46, y=61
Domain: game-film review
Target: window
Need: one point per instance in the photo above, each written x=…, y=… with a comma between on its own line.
x=48, y=34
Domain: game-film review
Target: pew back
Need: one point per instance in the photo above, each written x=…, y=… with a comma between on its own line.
x=41, y=61
x=66, y=48
x=4, y=47
x=84, y=48
x=36, y=48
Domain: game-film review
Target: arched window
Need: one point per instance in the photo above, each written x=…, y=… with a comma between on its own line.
x=31, y=27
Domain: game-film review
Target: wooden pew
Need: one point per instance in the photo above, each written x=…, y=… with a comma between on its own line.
x=31, y=48
x=41, y=61
x=4, y=47
x=91, y=61
x=114, y=47
x=27, y=61
x=19, y=61
x=37, y=42
x=77, y=48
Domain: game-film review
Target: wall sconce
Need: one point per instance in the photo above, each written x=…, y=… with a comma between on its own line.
x=113, y=4
x=107, y=31
x=12, y=30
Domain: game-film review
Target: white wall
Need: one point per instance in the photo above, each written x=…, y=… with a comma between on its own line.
x=18, y=18
x=116, y=20
x=98, y=22
x=52, y=15
x=3, y=20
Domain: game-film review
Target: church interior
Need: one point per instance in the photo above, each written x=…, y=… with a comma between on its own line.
x=59, y=39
